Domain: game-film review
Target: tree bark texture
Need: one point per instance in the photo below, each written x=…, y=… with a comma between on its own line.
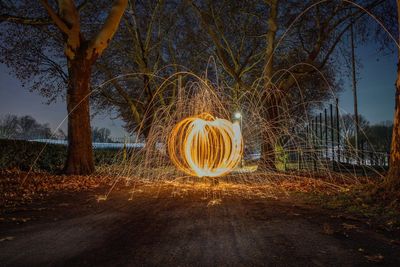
x=393, y=177
x=80, y=153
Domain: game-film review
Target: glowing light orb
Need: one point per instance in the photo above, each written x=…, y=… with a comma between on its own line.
x=205, y=146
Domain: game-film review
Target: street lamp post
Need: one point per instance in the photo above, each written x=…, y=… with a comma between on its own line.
x=239, y=117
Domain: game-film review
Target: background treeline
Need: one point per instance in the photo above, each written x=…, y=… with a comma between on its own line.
x=26, y=127
x=23, y=127
x=376, y=137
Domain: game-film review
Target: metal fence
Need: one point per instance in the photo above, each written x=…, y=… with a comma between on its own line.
x=320, y=141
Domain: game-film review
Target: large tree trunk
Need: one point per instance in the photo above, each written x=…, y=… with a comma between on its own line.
x=393, y=177
x=81, y=55
x=80, y=154
x=271, y=112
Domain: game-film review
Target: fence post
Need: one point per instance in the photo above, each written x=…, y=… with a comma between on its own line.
x=362, y=152
x=320, y=136
x=320, y=128
x=315, y=136
x=387, y=159
x=372, y=158
x=298, y=159
x=326, y=133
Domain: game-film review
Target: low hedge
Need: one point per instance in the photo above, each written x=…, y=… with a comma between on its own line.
x=20, y=154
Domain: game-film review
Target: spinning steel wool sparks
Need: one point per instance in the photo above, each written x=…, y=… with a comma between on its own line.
x=205, y=146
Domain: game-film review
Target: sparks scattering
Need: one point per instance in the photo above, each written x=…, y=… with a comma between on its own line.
x=205, y=146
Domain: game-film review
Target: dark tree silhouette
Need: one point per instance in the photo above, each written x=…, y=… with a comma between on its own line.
x=61, y=28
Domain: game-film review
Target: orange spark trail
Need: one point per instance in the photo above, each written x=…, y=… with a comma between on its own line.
x=205, y=146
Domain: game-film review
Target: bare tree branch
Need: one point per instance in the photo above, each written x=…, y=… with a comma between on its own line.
x=23, y=20
x=70, y=15
x=100, y=42
x=56, y=19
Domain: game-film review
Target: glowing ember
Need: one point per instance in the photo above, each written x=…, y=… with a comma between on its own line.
x=205, y=146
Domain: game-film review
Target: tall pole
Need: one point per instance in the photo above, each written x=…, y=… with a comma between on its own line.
x=353, y=63
x=338, y=129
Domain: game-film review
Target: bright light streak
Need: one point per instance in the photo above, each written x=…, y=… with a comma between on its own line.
x=205, y=146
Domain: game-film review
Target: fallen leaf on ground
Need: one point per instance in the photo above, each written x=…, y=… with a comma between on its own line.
x=375, y=258
x=327, y=229
x=7, y=238
x=349, y=226
x=101, y=198
x=25, y=219
x=214, y=202
x=396, y=242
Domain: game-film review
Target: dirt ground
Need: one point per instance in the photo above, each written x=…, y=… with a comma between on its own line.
x=159, y=227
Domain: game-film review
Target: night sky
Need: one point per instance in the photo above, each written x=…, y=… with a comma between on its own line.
x=376, y=94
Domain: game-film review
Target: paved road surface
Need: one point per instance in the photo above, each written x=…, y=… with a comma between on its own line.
x=188, y=231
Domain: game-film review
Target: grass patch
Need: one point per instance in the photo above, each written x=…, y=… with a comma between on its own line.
x=365, y=200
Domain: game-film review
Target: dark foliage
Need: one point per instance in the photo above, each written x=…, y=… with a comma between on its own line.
x=19, y=154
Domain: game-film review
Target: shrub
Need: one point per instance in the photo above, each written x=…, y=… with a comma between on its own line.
x=22, y=155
